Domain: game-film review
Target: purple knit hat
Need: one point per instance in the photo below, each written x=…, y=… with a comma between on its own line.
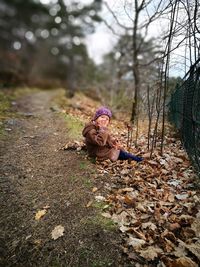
x=102, y=111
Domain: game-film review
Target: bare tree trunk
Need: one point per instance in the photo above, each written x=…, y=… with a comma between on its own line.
x=136, y=73
x=70, y=90
x=150, y=107
x=173, y=13
x=158, y=110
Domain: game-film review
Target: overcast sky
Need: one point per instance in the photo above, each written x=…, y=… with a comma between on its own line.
x=103, y=40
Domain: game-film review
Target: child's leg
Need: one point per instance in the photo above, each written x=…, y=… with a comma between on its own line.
x=123, y=155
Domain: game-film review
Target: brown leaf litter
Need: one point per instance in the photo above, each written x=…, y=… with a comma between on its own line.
x=154, y=203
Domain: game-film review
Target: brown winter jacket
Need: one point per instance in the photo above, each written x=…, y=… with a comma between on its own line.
x=99, y=142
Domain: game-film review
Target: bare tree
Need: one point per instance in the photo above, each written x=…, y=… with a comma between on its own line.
x=135, y=11
x=183, y=32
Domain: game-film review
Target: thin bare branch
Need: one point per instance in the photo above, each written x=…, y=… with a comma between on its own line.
x=195, y=16
x=125, y=4
x=110, y=27
x=115, y=17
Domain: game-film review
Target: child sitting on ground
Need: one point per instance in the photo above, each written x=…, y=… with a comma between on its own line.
x=99, y=143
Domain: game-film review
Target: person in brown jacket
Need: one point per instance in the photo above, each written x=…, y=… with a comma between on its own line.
x=98, y=141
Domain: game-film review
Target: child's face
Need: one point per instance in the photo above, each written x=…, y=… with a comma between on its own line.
x=103, y=121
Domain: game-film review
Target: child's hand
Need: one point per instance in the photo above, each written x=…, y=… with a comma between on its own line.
x=102, y=124
x=117, y=144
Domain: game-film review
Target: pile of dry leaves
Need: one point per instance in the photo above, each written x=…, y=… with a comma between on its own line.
x=156, y=207
x=155, y=203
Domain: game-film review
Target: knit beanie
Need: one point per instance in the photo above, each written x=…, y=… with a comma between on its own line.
x=102, y=111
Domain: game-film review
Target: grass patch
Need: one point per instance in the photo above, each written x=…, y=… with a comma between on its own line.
x=86, y=253
x=22, y=91
x=73, y=178
x=5, y=105
x=75, y=127
x=5, y=110
x=87, y=183
x=100, y=205
x=102, y=263
x=74, y=124
x=83, y=165
x=99, y=221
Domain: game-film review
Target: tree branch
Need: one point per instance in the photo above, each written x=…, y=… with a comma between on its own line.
x=115, y=17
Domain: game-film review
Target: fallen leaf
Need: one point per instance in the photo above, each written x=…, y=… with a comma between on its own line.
x=100, y=198
x=57, y=232
x=180, y=251
x=139, y=234
x=106, y=207
x=129, y=201
x=151, y=252
x=141, y=207
x=89, y=203
x=196, y=227
x=46, y=207
x=106, y=215
x=183, y=262
x=37, y=242
x=182, y=196
x=174, y=182
x=125, y=171
x=121, y=219
x=185, y=220
x=94, y=189
x=40, y=214
x=174, y=226
x=136, y=243
x=187, y=233
x=170, y=197
x=193, y=248
x=124, y=229
x=149, y=225
x=27, y=237
x=178, y=160
x=152, y=162
x=127, y=189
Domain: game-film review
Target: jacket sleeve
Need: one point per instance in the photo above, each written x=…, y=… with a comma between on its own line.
x=97, y=137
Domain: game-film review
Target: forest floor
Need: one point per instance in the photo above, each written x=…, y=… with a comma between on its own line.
x=60, y=209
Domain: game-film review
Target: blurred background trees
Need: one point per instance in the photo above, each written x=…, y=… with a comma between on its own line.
x=43, y=44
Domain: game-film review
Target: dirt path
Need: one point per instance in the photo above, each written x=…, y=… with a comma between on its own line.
x=36, y=175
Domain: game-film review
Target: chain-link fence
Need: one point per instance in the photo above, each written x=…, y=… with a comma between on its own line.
x=184, y=113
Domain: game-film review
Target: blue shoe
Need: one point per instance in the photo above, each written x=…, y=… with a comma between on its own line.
x=139, y=159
